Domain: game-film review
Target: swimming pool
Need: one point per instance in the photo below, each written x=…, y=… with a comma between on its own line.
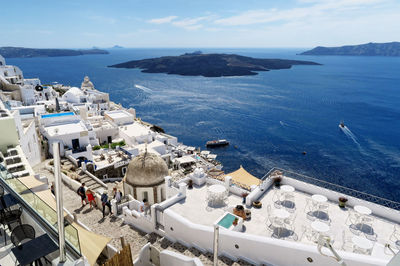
x=57, y=115
x=227, y=220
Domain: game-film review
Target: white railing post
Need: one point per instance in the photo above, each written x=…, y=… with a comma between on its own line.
x=59, y=199
x=215, y=247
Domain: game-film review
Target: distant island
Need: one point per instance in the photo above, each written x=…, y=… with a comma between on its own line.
x=13, y=52
x=368, y=49
x=210, y=65
x=117, y=47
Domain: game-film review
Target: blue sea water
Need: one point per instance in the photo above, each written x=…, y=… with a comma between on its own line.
x=271, y=118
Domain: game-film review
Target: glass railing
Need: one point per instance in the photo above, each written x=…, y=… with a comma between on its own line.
x=41, y=208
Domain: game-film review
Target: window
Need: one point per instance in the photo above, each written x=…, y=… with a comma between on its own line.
x=123, y=170
x=105, y=176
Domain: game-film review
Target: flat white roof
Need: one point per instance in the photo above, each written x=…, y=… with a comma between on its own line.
x=65, y=129
x=186, y=159
x=118, y=114
x=135, y=130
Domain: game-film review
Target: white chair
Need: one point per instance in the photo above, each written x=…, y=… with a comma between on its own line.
x=347, y=242
x=310, y=205
x=306, y=231
x=352, y=218
x=290, y=222
x=395, y=236
x=362, y=250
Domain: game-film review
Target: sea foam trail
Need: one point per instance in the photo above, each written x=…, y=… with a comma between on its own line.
x=143, y=88
x=350, y=134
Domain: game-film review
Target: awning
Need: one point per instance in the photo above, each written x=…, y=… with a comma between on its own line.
x=244, y=178
x=30, y=181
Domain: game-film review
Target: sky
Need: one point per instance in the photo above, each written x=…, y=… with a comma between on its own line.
x=198, y=23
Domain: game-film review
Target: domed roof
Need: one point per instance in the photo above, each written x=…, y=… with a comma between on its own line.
x=146, y=170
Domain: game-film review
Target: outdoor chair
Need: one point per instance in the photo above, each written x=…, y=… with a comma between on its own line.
x=310, y=205
x=8, y=218
x=395, y=236
x=306, y=231
x=347, y=242
x=21, y=233
x=290, y=222
x=352, y=218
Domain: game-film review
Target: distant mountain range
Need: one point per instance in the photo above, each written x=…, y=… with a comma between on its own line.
x=210, y=65
x=368, y=49
x=10, y=52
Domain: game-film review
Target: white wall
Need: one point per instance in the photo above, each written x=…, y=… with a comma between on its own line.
x=28, y=140
x=168, y=258
x=255, y=249
x=138, y=219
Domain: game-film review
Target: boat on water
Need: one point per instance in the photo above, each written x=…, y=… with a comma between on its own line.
x=217, y=143
x=341, y=124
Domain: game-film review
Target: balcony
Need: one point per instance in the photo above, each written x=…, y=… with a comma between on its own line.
x=38, y=215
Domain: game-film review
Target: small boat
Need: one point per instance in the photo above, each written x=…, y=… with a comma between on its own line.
x=341, y=124
x=217, y=143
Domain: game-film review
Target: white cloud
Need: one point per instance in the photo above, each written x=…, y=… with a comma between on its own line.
x=163, y=20
x=190, y=23
x=319, y=8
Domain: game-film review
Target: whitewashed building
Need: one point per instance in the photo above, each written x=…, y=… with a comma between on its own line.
x=76, y=136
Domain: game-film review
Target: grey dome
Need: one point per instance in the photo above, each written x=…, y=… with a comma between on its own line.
x=146, y=170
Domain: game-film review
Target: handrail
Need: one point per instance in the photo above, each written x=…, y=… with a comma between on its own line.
x=338, y=188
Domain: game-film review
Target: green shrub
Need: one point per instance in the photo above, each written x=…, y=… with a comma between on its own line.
x=97, y=147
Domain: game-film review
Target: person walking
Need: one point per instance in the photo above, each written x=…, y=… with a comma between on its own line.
x=90, y=197
x=118, y=196
x=105, y=202
x=146, y=206
x=82, y=192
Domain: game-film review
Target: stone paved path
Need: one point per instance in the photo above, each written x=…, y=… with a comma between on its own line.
x=114, y=228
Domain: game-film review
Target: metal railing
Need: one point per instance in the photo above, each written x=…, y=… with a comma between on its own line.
x=341, y=189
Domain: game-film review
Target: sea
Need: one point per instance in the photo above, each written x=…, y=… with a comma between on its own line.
x=271, y=118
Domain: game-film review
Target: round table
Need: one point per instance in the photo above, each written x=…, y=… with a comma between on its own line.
x=362, y=210
x=287, y=188
x=217, y=194
x=320, y=227
x=319, y=198
x=362, y=242
x=280, y=213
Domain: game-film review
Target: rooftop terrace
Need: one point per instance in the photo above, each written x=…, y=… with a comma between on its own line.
x=299, y=206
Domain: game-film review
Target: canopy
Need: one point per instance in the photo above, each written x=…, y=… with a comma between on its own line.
x=30, y=182
x=244, y=178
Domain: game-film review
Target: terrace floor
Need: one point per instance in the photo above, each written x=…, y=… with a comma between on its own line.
x=195, y=209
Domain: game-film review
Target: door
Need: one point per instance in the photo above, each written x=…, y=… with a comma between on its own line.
x=75, y=144
x=109, y=140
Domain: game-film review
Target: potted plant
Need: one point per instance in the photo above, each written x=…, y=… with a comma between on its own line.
x=244, y=195
x=342, y=202
x=235, y=222
x=257, y=204
x=277, y=181
x=190, y=184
